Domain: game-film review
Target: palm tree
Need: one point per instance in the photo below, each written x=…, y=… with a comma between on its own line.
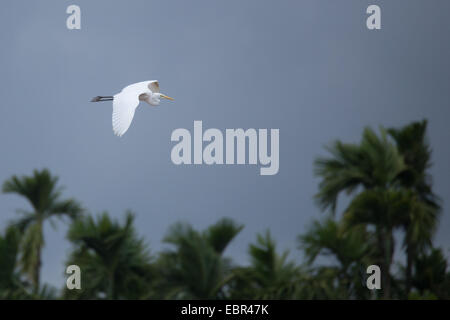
x=44, y=196
x=115, y=262
x=11, y=284
x=350, y=248
x=195, y=267
x=373, y=163
x=371, y=167
x=269, y=276
x=384, y=210
x=431, y=276
x=420, y=222
x=320, y=284
x=329, y=238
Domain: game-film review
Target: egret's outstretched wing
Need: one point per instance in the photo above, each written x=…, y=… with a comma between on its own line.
x=154, y=86
x=126, y=102
x=124, y=106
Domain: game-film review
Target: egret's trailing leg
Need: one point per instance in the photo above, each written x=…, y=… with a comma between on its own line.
x=102, y=98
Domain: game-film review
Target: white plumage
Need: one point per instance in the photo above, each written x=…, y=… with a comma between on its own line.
x=126, y=102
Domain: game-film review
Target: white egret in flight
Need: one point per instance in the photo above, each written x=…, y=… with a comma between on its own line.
x=126, y=102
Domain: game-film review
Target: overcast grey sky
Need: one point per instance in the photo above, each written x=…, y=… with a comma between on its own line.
x=309, y=68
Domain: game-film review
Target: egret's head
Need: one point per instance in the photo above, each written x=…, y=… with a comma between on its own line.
x=156, y=98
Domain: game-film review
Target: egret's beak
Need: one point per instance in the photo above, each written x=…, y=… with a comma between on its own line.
x=166, y=97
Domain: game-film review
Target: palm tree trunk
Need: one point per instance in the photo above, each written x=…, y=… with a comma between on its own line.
x=385, y=241
x=37, y=276
x=37, y=270
x=410, y=253
x=111, y=290
x=386, y=275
